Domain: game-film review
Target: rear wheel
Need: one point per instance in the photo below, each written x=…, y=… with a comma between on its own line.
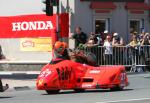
x=52, y=91
x=117, y=88
x=79, y=90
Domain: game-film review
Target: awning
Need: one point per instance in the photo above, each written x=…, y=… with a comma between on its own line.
x=102, y=5
x=137, y=6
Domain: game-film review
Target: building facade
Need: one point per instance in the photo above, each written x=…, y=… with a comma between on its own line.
x=91, y=16
x=97, y=16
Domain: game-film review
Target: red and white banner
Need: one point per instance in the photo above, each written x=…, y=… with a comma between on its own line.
x=38, y=25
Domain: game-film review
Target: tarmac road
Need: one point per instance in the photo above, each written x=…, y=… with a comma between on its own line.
x=137, y=92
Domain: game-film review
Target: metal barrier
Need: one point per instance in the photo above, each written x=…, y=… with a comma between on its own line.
x=124, y=55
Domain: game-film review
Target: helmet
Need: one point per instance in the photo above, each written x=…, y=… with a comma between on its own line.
x=59, y=47
x=65, y=45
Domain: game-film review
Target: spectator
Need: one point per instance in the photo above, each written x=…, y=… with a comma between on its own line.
x=146, y=39
x=146, y=49
x=134, y=48
x=108, y=50
x=98, y=39
x=117, y=42
x=143, y=42
x=1, y=54
x=91, y=40
x=94, y=40
x=134, y=42
x=79, y=36
x=105, y=34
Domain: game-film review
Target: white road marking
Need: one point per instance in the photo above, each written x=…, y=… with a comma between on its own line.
x=129, y=100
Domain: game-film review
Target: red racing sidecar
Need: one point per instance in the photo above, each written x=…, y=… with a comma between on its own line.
x=67, y=74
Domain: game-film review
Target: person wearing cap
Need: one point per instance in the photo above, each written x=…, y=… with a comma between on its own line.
x=104, y=35
x=106, y=32
x=117, y=42
x=65, y=53
x=108, y=52
x=60, y=52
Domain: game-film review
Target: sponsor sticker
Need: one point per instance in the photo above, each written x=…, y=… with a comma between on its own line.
x=86, y=86
x=95, y=71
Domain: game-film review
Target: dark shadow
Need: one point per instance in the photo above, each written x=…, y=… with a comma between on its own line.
x=123, y=90
x=128, y=89
x=5, y=97
x=88, y=91
x=147, y=77
x=22, y=88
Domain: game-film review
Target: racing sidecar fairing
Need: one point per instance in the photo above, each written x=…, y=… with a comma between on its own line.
x=67, y=74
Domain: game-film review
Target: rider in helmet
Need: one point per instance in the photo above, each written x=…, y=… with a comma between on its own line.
x=60, y=51
x=65, y=52
x=59, y=48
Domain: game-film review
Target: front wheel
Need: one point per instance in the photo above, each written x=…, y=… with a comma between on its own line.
x=79, y=90
x=52, y=91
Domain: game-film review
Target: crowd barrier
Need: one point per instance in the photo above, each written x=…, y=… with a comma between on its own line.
x=123, y=55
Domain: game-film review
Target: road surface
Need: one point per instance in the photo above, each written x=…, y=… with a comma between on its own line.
x=137, y=92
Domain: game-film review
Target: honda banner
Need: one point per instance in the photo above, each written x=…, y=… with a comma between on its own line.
x=38, y=25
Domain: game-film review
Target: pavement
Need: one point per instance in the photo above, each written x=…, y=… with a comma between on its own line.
x=19, y=80
x=19, y=85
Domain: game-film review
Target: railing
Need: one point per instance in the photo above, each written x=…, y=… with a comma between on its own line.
x=124, y=55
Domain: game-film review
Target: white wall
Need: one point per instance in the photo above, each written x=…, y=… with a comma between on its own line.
x=80, y=15
x=11, y=47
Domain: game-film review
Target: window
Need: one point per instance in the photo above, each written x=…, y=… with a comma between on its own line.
x=101, y=25
x=136, y=25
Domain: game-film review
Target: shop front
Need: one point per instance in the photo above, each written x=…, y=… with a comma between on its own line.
x=122, y=16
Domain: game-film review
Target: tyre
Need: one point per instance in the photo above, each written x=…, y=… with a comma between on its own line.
x=52, y=91
x=79, y=90
x=117, y=88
